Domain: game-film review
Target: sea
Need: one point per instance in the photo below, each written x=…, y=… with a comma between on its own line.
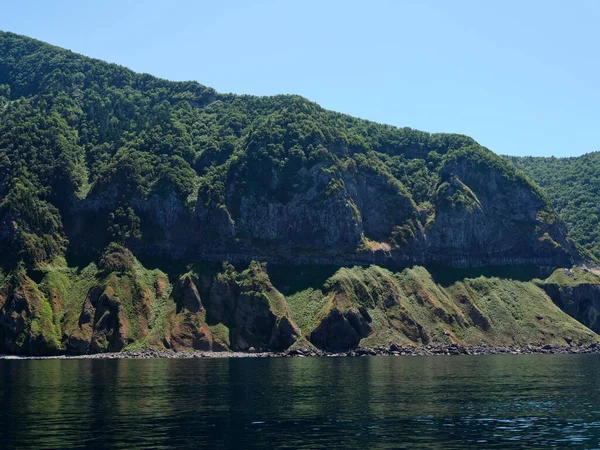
x=395, y=402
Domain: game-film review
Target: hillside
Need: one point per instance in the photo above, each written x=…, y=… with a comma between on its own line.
x=106, y=173
x=93, y=153
x=117, y=305
x=573, y=185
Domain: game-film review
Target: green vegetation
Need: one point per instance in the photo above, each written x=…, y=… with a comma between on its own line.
x=411, y=307
x=573, y=185
x=84, y=143
x=572, y=277
x=116, y=258
x=220, y=334
x=306, y=307
x=94, y=310
x=100, y=165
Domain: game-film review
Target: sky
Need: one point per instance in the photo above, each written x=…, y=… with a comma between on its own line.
x=521, y=77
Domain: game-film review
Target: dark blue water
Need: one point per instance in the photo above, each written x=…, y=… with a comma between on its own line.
x=373, y=402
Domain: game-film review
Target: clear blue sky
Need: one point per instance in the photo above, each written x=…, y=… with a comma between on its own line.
x=521, y=77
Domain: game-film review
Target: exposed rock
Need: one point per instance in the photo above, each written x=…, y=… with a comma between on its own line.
x=186, y=295
x=340, y=331
x=284, y=334
x=26, y=319
x=359, y=322
x=581, y=301
x=307, y=219
x=484, y=219
x=189, y=334
x=222, y=299
x=103, y=325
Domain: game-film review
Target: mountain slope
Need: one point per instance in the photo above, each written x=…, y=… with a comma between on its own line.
x=92, y=153
x=100, y=166
x=114, y=306
x=573, y=184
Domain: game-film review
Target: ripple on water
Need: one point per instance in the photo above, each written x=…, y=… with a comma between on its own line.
x=458, y=402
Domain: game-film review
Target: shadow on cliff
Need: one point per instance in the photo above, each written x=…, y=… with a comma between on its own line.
x=290, y=279
x=174, y=269
x=446, y=276
x=81, y=257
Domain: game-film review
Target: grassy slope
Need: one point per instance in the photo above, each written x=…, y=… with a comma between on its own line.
x=142, y=293
x=409, y=307
x=496, y=311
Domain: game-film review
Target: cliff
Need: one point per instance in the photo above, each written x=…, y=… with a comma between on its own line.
x=93, y=153
x=117, y=304
x=100, y=166
x=573, y=185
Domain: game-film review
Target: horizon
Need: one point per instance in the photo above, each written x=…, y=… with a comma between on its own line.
x=531, y=94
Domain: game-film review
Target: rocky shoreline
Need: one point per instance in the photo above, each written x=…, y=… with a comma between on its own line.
x=300, y=352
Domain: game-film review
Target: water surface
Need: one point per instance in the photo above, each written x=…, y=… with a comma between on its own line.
x=377, y=402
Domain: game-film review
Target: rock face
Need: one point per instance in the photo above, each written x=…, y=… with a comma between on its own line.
x=186, y=295
x=252, y=309
x=26, y=318
x=187, y=325
x=246, y=303
x=580, y=297
x=477, y=216
x=103, y=325
x=482, y=218
x=225, y=309
x=341, y=331
x=190, y=334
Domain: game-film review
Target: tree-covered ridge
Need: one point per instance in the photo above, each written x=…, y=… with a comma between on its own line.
x=100, y=166
x=573, y=184
x=92, y=152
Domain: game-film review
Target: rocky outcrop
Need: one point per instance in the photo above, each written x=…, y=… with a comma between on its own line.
x=482, y=218
x=579, y=297
x=253, y=310
x=319, y=215
x=186, y=295
x=189, y=332
x=284, y=334
x=478, y=217
x=26, y=318
x=340, y=331
x=222, y=299
x=242, y=310
x=246, y=303
x=103, y=325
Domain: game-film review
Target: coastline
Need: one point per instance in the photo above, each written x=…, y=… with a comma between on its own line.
x=302, y=352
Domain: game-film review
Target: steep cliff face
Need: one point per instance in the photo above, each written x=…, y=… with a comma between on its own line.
x=325, y=210
x=98, y=164
x=27, y=322
x=253, y=310
x=484, y=217
x=222, y=309
x=573, y=185
x=93, y=153
x=479, y=215
x=576, y=292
